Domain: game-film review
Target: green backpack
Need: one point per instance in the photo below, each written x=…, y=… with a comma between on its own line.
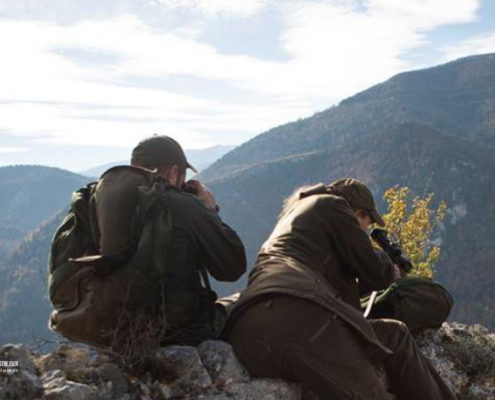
x=418, y=302
x=101, y=270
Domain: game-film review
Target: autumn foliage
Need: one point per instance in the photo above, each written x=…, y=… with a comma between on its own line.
x=411, y=223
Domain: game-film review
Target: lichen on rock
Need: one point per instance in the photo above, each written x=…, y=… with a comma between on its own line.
x=464, y=356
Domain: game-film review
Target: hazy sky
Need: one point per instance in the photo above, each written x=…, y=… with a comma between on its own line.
x=81, y=81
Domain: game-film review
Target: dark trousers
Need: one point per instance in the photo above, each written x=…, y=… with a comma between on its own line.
x=298, y=340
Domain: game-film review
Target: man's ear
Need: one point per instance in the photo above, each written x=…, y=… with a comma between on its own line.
x=173, y=175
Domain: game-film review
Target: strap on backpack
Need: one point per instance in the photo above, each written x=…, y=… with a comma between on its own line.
x=93, y=222
x=204, y=276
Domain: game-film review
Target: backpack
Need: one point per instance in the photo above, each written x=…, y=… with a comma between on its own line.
x=418, y=302
x=102, y=270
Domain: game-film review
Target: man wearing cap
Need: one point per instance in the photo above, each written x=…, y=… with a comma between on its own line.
x=199, y=241
x=300, y=319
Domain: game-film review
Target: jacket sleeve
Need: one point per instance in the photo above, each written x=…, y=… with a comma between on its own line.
x=363, y=285
x=221, y=249
x=373, y=269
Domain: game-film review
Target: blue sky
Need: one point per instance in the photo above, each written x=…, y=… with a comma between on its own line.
x=82, y=81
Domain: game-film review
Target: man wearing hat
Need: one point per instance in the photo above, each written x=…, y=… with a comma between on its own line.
x=300, y=319
x=199, y=242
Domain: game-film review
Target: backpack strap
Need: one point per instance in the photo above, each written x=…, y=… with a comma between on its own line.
x=93, y=222
x=204, y=276
x=80, y=208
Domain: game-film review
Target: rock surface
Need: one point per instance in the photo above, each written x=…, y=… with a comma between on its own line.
x=463, y=355
x=465, y=358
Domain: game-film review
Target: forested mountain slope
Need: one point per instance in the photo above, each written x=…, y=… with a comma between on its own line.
x=457, y=99
x=30, y=194
x=24, y=306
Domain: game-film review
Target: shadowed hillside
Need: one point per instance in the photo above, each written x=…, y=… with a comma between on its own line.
x=24, y=305
x=30, y=194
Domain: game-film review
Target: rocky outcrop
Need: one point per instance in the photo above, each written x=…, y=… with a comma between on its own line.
x=463, y=355
x=465, y=358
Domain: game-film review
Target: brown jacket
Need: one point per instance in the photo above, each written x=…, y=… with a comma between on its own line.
x=319, y=252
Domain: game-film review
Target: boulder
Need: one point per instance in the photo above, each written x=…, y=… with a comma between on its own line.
x=464, y=356
x=221, y=363
x=20, y=381
x=59, y=388
x=267, y=389
x=87, y=365
x=186, y=364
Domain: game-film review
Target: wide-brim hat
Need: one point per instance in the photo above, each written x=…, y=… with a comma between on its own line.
x=159, y=150
x=358, y=196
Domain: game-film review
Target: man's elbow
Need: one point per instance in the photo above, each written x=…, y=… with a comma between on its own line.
x=234, y=268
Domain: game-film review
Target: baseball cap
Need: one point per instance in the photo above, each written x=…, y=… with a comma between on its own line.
x=159, y=150
x=358, y=196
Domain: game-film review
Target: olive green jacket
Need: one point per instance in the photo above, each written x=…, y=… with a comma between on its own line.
x=199, y=240
x=318, y=252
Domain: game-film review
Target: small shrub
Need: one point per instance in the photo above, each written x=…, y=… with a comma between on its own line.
x=135, y=344
x=411, y=225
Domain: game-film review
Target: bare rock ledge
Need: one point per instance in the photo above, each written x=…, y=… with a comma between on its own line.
x=463, y=355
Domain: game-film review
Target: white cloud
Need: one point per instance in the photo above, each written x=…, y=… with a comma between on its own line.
x=238, y=8
x=480, y=44
x=38, y=82
x=12, y=149
x=426, y=14
x=339, y=47
x=334, y=49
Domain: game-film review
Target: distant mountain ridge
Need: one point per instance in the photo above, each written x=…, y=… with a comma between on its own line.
x=199, y=158
x=457, y=98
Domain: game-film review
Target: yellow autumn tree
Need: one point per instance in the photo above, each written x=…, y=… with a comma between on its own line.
x=411, y=224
